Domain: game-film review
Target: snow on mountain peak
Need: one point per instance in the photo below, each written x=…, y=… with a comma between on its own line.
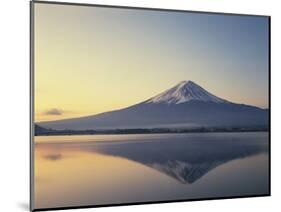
x=183, y=92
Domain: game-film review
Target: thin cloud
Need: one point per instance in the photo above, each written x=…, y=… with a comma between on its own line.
x=54, y=111
x=53, y=157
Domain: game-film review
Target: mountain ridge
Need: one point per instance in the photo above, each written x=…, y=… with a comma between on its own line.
x=184, y=105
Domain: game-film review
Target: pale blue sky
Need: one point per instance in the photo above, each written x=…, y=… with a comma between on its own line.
x=120, y=57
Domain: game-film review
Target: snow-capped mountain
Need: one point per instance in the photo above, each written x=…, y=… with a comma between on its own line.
x=183, y=92
x=184, y=105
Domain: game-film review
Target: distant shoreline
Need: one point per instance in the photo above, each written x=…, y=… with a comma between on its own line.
x=50, y=132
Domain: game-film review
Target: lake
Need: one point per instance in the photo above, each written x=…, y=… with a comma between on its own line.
x=109, y=169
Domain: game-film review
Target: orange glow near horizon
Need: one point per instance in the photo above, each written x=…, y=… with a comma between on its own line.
x=90, y=60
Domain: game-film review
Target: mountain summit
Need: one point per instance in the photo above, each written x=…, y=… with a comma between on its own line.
x=182, y=106
x=183, y=92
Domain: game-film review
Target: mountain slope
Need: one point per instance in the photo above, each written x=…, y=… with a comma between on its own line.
x=40, y=130
x=185, y=105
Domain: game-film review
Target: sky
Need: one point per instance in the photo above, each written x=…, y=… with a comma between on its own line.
x=89, y=60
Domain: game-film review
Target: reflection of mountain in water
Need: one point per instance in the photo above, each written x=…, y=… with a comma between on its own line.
x=183, y=171
x=185, y=161
x=185, y=157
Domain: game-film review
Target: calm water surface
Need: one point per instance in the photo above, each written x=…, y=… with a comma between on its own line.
x=108, y=169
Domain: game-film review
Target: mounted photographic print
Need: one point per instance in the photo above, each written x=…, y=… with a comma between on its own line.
x=137, y=105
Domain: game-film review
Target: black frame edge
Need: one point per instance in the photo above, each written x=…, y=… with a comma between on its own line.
x=149, y=203
x=143, y=8
x=269, y=104
x=31, y=105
